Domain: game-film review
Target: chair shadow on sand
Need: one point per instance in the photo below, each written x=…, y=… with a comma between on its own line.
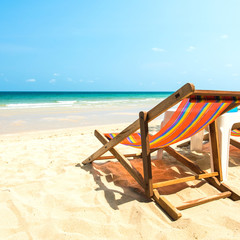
x=162, y=169
x=128, y=194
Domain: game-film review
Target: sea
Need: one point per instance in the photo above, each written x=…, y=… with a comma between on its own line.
x=33, y=111
x=19, y=100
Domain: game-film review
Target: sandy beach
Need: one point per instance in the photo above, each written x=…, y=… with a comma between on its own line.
x=45, y=195
x=68, y=68
x=18, y=120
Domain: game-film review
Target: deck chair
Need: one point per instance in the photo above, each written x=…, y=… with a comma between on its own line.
x=235, y=133
x=197, y=109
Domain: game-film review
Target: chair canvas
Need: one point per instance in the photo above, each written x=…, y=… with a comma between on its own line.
x=235, y=133
x=146, y=141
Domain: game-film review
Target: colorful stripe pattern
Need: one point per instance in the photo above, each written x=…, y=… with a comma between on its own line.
x=235, y=132
x=191, y=116
x=197, y=98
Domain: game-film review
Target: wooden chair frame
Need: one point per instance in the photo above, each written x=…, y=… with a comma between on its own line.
x=214, y=178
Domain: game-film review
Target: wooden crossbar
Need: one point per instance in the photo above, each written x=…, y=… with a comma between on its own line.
x=222, y=187
x=134, y=155
x=217, y=93
x=199, y=201
x=185, y=179
x=235, y=143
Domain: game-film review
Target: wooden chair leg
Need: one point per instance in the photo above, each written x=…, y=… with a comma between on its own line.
x=147, y=168
x=166, y=205
x=216, y=157
x=123, y=160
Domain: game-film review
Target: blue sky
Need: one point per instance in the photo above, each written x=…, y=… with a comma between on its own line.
x=119, y=45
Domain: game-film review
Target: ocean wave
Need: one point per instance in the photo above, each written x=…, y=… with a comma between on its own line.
x=103, y=103
x=120, y=101
x=35, y=105
x=67, y=102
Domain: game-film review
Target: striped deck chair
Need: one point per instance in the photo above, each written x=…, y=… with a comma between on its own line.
x=235, y=133
x=197, y=109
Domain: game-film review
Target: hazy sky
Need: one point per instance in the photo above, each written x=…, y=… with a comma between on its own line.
x=119, y=45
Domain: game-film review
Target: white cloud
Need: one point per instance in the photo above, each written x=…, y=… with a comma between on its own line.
x=56, y=74
x=158, y=50
x=31, y=80
x=224, y=36
x=52, y=81
x=69, y=79
x=191, y=48
x=235, y=74
x=228, y=65
x=91, y=81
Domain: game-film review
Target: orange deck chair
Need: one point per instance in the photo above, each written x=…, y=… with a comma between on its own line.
x=198, y=109
x=235, y=133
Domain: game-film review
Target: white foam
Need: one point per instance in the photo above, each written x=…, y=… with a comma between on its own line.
x=38, y=105
x=103, y=103
x=67, y=102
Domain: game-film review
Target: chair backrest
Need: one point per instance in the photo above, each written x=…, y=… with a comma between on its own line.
x=192, y=115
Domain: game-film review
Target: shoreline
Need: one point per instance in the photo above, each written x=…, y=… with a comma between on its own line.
x=25, y=120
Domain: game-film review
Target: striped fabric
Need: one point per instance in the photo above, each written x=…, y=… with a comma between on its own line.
x=191, y=116
x=235, y=132
x=196, y=98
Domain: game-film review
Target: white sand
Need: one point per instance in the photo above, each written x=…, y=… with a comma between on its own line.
x=45, y=196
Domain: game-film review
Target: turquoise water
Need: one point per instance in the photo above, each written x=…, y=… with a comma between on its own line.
x=18, y=100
